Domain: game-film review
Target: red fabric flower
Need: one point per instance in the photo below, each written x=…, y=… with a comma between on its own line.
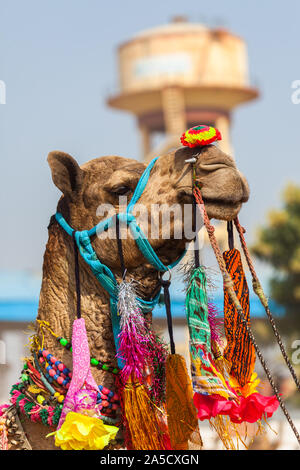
x=249, y=409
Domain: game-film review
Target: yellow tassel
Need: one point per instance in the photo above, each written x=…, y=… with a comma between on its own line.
x=145, y=429
x=227, y=431
x=181, y=413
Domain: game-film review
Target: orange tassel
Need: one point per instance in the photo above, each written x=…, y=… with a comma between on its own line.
x=239, y=351
x=146, y=432
x=181, y=412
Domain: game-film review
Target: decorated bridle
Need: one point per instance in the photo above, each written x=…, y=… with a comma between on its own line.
x=102, y=272
x=160, y=404
x=195, y=137
x=127, y=312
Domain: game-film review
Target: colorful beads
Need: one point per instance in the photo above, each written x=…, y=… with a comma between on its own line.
x=199, y=136
x=94, y=362
x=55, y=369
x=60, y=398
x=63, y=341
x=107, y=399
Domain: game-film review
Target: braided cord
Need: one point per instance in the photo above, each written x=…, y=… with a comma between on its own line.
x=263, y=299
x=228, y=285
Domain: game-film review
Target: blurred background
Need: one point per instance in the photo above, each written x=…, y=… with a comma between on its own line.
x=91, y=78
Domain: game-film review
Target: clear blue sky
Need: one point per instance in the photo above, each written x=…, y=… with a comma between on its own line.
x=58, y=60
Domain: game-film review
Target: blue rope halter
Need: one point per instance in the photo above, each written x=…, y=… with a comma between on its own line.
x=102, y=272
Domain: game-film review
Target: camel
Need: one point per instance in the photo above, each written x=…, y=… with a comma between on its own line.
x=103, y=180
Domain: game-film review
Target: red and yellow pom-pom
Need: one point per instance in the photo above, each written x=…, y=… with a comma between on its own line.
x=199, y=136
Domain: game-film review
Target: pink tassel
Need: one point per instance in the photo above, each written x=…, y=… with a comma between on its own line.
x=133, y=347
x=143, y=354
x=215, y=323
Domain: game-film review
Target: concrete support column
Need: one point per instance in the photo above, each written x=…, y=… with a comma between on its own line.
x=174, y=111
x=145, y=140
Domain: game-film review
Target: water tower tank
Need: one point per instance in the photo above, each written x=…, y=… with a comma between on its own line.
x=181, y=74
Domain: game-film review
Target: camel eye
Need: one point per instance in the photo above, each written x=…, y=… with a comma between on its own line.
x=121, y=190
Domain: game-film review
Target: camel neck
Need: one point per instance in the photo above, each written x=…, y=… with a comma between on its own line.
x=57, y=303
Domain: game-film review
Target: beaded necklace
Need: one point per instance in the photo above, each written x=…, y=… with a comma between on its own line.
x=40, y=396
x=57, y=371
x=68, y=345
x=94, y=362
x=56, y=376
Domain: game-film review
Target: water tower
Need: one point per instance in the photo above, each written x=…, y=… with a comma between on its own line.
x=175, y=76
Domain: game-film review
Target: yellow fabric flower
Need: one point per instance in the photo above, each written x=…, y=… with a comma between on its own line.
x=248, y=388
x=80, y=432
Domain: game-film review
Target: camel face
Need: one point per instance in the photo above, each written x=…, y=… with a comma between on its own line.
x=223, y=187
x=101, y=182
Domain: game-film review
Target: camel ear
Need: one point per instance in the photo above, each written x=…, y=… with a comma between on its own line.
x=66, y=173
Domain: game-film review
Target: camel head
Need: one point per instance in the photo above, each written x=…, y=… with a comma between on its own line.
x=103, y=181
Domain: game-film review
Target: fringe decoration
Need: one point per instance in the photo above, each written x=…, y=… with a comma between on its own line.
x=205, y=375
x=239, y=350
x=142, y=379
x=181, y=412
x=216, y=392
x=141, y=350
x=146, y=431
x=226, y=432
x=207, y=378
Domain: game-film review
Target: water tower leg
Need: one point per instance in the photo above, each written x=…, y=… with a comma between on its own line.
x=145, y=139
x=174, y=111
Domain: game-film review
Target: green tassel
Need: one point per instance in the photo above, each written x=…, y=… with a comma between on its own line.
x=206, y=377
x=196, y=305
